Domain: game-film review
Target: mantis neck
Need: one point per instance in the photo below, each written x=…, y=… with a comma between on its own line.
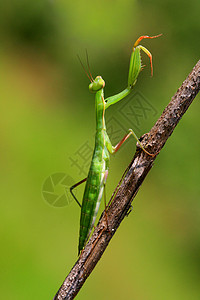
x=100, y=110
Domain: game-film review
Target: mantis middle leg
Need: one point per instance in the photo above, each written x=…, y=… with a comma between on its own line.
x=113, y=149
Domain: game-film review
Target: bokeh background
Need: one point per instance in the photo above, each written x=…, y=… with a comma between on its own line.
x=47, y=118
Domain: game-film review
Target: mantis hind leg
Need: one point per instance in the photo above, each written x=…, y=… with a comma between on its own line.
x=105, y=178
x=73, y=187
x=106, y=207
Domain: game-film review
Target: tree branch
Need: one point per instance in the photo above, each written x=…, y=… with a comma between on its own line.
x=129, y=185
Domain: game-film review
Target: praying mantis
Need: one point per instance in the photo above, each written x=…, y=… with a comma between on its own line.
x=98, y=172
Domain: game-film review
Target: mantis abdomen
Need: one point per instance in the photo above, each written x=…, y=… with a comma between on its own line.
x=92, y=197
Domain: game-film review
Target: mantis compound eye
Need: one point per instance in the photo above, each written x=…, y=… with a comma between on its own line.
x=97, y=84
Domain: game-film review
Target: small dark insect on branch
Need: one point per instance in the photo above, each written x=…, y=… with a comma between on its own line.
x=129, y=185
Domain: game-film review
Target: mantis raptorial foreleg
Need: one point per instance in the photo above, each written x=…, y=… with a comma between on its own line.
x=135, y=68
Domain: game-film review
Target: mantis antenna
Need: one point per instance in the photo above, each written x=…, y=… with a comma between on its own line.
x=88, y=64
x=88, y=75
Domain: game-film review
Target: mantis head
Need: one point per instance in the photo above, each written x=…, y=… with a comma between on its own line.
x=97, y=84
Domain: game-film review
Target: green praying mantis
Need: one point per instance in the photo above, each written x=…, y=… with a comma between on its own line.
x=98, y=172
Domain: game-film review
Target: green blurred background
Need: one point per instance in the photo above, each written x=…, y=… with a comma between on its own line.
x=47, y=115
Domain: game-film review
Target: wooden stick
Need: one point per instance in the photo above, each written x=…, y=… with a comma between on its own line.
x=129, y=185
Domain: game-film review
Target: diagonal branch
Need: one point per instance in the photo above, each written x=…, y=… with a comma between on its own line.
x=129, y=185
